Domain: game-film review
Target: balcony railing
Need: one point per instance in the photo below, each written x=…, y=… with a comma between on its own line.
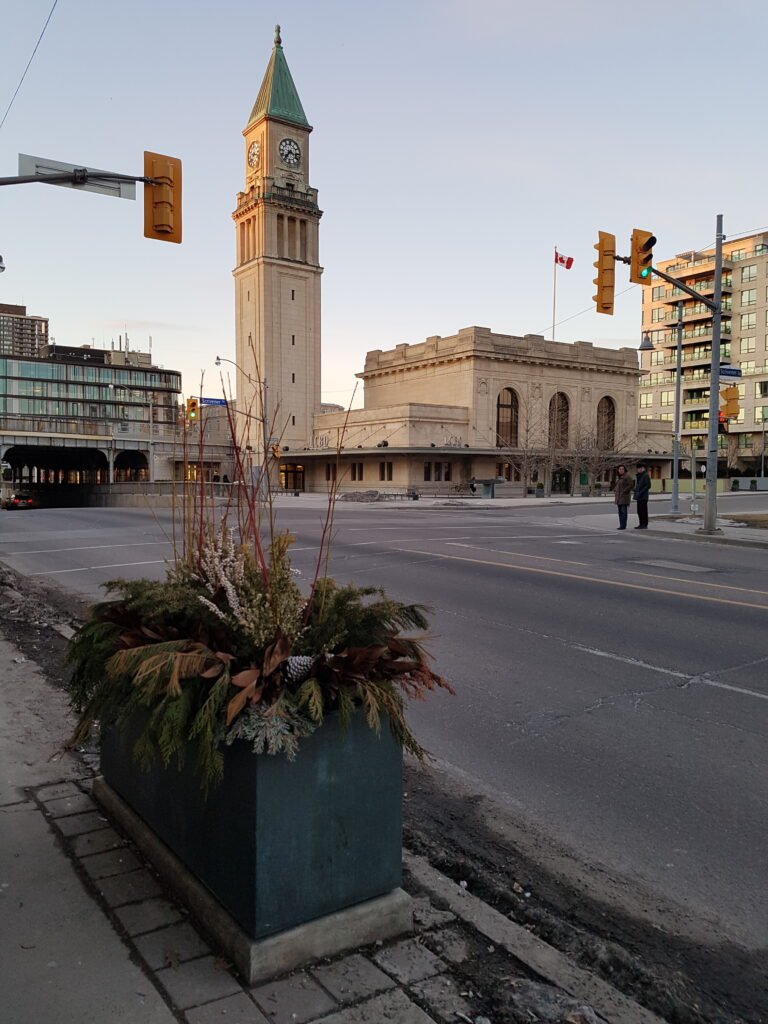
x=748, y=254
x=107, y=429
x=695, y=263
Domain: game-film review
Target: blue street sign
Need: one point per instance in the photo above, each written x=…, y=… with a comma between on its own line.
x=730, y=371
x=213, y=401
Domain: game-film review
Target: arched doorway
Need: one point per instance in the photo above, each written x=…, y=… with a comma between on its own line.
x=561, y=481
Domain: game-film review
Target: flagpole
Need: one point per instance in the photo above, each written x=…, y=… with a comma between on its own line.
x=554, y=293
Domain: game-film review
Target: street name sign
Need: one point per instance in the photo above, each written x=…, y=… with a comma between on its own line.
x=41, y=168
x=213, y=401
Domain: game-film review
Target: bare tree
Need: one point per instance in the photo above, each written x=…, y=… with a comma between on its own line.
x=589, y=455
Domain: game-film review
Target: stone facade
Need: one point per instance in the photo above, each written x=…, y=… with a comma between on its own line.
x=440, y=413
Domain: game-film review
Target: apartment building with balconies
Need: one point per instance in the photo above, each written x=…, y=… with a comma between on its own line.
x=21, y=334
x=744, y=343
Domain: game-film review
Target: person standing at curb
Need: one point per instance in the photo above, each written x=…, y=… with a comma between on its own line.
x=642, y=490
x=622, y=494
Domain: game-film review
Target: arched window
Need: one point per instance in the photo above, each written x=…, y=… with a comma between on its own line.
x=507, y=419
x=606, y=424
x=558, y=420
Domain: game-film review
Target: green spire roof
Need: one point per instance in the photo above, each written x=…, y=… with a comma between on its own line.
x=277, y=95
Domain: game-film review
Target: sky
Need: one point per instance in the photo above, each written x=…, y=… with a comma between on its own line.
x=455, y=144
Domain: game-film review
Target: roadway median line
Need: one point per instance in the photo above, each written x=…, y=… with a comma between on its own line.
x=517, y=554
x=87, y=547
x=91, y=568
x=587, y=579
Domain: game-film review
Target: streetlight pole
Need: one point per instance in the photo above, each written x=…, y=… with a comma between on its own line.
x=262, y=385
x=678, y=413
x=646, y=345
x=151, y=431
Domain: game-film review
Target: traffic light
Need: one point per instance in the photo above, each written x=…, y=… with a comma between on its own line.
x=641, y=259
x=606, y=272
x=192, y=409
x=729, y=402
x=162, y=202
x=275, y=449
x=722, y=423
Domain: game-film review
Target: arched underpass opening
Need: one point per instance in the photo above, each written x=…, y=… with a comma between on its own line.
x=130, y=466
x=65, y=476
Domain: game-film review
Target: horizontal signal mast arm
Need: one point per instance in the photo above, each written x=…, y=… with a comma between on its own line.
x=678, y=284
x=79, y=176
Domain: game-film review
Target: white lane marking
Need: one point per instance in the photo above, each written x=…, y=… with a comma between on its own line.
x=682, y=566
x=727, y=686
x=85, y=547
x=89, y=568
x=669, y=672
x=630, y=661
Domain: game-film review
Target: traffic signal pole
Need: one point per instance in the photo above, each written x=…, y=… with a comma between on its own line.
x=710, y=498
x=715, y=305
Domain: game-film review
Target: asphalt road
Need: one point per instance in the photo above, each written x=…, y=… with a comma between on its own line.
x=612, y=689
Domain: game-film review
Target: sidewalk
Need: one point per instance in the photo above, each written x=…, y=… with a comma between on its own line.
x=90, y=937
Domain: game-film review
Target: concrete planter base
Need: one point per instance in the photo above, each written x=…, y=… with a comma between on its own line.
x=277, y=843
x=260, y=959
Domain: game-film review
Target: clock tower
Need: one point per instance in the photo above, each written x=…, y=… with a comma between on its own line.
x=277, y=272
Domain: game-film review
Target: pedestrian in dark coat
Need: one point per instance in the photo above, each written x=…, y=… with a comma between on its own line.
x=622, y=494
x=642, y=490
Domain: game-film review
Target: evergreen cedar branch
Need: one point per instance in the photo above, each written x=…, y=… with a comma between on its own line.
x=226, y=647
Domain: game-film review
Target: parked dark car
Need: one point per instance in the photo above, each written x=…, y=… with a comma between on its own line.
x=19, y=500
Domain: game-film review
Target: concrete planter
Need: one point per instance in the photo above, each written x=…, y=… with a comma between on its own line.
x=277, y=843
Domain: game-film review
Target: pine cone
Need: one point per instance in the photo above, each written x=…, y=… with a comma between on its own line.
x=297, y=668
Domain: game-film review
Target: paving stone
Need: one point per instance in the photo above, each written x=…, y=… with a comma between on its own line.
x=55, y=792
x=393, y=1006
x=294, y=1000
x=130, y=888
x=443, y=997
x=196, y=981
x=113, y=862
x=451, y=944
x=95, y=842
x=239, y=1009
x=352, y=978
x=409, y=961
x=77, y=803
x=427, y=916
x=78, y=824
x=171, y=946
x=148, y=915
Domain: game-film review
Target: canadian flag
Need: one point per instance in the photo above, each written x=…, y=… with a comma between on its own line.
x=563, y=261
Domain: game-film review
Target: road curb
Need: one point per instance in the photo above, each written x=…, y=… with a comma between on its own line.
x=708, y=538
x=546, y=961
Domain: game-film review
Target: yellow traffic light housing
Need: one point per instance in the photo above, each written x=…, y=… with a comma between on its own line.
x=162, y=201
x=193, y=410
x=606, y=272
x=641, y=258
x=729, y=402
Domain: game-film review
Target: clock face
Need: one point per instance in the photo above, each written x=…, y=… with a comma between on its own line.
x=253, y=154
x=289, y=152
